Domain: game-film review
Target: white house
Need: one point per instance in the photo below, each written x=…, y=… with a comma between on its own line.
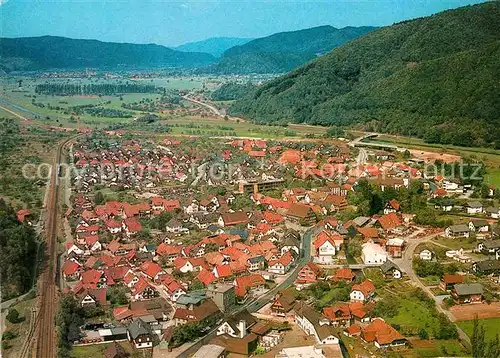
x=373, y=253
x=71, y=247
x=460, y=230
x=479, y=225
x=315, y=324
x=362, y=292
x=474, y=207
x=326, y=247
x=282, y=265
x=426, y=255
x=492, y=212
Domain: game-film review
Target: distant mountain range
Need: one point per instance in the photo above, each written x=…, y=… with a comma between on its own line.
x=49, y=52
x=283, y=51
x=277, y=53
x=214, y=45
x=435, y=77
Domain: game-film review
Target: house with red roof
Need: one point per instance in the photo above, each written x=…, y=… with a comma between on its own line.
x=151, y=269
x=231, y=219
x=344, y=274
x=131, y=226
x=113, y=226
x=93, y=297
x=168, y=252
x=326, y=246
x=206, y=277
x=71, y=270
x=362, y=292
x=23, y=214
x=301, y=213
x=222, y=271
x=389, y=221
x=309, y=274
x=246, y=285
x=392, y=206
x=189, y=264
x=172, y=288
x=282, y=265
x=93, y=279
x=382, y=334
x=290, y=156
x=142, y=290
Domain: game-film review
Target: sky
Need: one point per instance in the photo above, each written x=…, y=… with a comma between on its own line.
x=171, y=23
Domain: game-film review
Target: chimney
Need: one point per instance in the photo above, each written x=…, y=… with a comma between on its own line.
x=242, y=326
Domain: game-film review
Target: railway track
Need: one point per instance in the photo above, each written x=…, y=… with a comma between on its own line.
x=43, y=329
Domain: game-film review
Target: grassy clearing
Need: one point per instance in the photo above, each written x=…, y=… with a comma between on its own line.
x=437, y=348
x=413, y=316
x=491, y=327
x=456, y=243
x=97, y=350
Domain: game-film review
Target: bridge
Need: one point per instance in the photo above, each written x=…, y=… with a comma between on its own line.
x=358, y=142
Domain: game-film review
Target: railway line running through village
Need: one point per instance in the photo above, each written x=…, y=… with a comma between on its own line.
x=42, y=329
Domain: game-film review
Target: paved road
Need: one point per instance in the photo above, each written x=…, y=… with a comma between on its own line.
x=405, y=263
x=206, y=105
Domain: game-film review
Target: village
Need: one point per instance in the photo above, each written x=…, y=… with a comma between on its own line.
x=188, y=246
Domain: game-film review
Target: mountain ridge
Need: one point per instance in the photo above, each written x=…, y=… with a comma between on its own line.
x=283, y=51
x=440, y=72
x=55, y=52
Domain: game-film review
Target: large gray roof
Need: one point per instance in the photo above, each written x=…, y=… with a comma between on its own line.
x=464, y=289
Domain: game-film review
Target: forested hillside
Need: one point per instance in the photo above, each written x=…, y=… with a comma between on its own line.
x=283, y=51
x=50, y=52
x=17, y=253
x=231, y=91
x=435, y=77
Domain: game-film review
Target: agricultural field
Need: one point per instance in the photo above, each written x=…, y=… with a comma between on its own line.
x=184, y=119
x=491, y=327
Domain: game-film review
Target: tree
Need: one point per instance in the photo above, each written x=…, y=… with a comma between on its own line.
x=354, y=246
x=99, y=198
x=477, y=339
x=388, y=307
x=423, y=334
x=13, y=316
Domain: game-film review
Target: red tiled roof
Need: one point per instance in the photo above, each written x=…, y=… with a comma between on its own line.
x=448, y=278
x=389, y=221
x=150, y=268
x=366, y=287
x=206, y=277
x=91, y=277
x=133, y=225
x=223, y=271
x=381, y=332
x=70, y=267
x=164, y=249
x=344, y=274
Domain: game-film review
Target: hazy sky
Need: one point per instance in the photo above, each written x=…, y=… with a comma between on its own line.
x=172, y=23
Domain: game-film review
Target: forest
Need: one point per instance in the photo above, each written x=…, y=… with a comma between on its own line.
x=104, y=89
x=18, y=253
x=231, y=91
x=434, y=78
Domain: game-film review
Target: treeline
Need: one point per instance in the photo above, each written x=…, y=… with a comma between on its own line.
x=97, y=111
x=18, y=250
x=104, y=89
x=231, y=91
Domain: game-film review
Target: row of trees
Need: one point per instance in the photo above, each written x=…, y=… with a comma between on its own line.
x=18, y=253
x=105, y=89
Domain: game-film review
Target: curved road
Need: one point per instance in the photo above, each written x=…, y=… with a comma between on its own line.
x=203, y=104
x=406, y=264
